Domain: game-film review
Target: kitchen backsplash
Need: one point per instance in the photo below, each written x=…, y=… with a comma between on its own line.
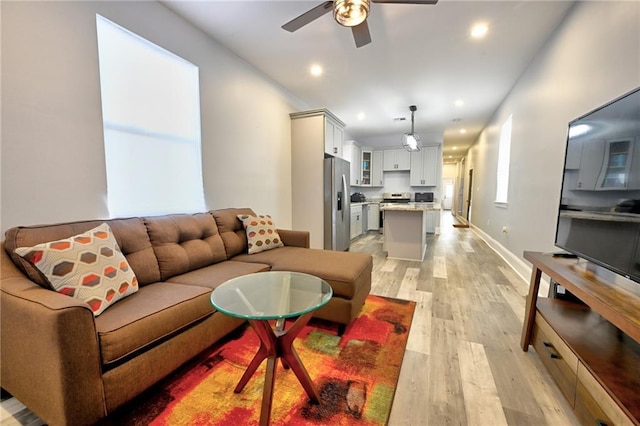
x=395, y=182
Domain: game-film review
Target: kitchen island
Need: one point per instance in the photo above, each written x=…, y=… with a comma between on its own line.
x=406, y=227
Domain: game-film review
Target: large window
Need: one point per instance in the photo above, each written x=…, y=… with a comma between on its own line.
x=151, y=119
x=504, y=154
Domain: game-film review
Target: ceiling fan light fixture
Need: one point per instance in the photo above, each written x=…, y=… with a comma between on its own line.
x=350, y=13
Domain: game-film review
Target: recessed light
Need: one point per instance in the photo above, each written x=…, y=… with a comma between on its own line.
x=451, y=156
x=361, y=116
x=316, y=70
x=463, y=131
x=479, y=30
x=459, y=103
x=455, y=147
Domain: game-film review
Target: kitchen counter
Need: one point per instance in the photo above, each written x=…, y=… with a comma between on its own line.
x=411, y=206
x=364, y=203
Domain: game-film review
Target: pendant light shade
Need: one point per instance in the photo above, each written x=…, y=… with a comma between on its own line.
x=411, y=140
x=350, y=13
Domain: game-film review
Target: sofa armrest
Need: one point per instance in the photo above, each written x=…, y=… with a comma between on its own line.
x=294, y=238
x=49, y=351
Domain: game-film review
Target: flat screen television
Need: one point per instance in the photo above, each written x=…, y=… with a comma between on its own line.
x=599, y=214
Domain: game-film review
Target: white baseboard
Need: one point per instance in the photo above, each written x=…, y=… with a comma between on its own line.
x=518, y=265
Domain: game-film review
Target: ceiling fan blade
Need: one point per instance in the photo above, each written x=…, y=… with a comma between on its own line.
x=361, y=34
x=406, y=1
x=309, y=16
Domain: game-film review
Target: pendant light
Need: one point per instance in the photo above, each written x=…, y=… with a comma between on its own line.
x=411, y=140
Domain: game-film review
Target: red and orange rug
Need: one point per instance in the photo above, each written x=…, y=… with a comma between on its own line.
x=356, y=375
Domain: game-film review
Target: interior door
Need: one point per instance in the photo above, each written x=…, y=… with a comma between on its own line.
x=447, y=199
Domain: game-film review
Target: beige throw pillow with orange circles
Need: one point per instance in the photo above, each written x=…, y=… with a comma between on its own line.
x=262, y=233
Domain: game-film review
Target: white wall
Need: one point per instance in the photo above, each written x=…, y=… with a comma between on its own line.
x=592, y=58
x=52, y=145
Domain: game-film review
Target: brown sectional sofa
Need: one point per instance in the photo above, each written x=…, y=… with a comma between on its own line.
x=70, y=367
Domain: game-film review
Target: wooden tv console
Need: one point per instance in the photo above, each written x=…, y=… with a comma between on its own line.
x=592, y=350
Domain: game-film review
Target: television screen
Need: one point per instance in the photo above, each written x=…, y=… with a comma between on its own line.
x=599, y=215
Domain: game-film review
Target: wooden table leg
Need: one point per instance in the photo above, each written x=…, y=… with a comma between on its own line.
x=530, y=309
x=276, y=344
x=288, y=353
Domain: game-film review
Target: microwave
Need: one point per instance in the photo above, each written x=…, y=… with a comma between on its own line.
x=423, y=197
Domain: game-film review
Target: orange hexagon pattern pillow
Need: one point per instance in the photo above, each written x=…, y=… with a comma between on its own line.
x=89, y=267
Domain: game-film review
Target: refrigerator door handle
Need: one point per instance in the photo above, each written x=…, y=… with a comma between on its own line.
x=344, y=188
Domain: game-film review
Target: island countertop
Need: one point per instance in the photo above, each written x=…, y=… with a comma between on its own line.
x=411, y=206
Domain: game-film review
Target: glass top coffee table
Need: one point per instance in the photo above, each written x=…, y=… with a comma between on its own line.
x=274, y=295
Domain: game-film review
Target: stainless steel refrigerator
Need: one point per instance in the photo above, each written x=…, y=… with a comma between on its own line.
x=337, y=204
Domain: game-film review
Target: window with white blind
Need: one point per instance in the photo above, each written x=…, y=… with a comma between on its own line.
x=504, y=156
x=151, y=120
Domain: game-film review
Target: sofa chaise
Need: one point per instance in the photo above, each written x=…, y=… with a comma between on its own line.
x=71, y=367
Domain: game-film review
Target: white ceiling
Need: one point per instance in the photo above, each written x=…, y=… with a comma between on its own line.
x=420, y=55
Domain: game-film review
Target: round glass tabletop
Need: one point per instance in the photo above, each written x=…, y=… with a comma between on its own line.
x=271, y=295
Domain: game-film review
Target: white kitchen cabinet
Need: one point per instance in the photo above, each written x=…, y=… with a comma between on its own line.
x=590, y=165
x=430, y=225
x=364, y=218
x=356, y=221
x=373, y=217
x=574, y=156
x=353, y=154
x=333, y=136
x=603, y=165
x=396, y=160
x=377, y=164
x=424, y=167
x=365, y=169
x=617, y=164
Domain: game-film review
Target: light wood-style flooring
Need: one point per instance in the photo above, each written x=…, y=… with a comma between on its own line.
x=463, y=364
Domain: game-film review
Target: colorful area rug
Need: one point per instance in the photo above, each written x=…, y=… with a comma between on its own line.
x=355, y=374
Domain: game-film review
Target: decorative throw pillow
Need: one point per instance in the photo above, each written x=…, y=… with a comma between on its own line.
x=89, y=267
x=262, y=233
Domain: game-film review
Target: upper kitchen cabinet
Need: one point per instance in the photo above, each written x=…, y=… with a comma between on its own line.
x=588, y=165
x=324, y=128
x=377, y=165
x=353, y=153
x=367, y=164
x=396, y=160
x=424, y=167
x=333, y=136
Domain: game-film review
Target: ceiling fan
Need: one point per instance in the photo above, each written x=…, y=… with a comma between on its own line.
x=348, y=13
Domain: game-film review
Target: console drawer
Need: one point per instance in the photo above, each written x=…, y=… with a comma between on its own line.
x=561, y=362
x=594, y=405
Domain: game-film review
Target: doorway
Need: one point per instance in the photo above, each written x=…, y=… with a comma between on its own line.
x=447, y=199
x=469, y=195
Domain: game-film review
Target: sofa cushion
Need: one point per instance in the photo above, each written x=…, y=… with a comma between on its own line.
x=156, y=312
x=231, y=229
x=214, y=275
x=87, y=266
x=344, y=271
x=131, y=236
x=262, y=233
x=184, y=242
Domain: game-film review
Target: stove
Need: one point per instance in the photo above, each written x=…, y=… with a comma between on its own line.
x=392, y=197
x=396, y=197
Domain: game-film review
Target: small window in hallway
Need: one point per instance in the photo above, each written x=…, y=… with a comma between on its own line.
x=504, y=155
